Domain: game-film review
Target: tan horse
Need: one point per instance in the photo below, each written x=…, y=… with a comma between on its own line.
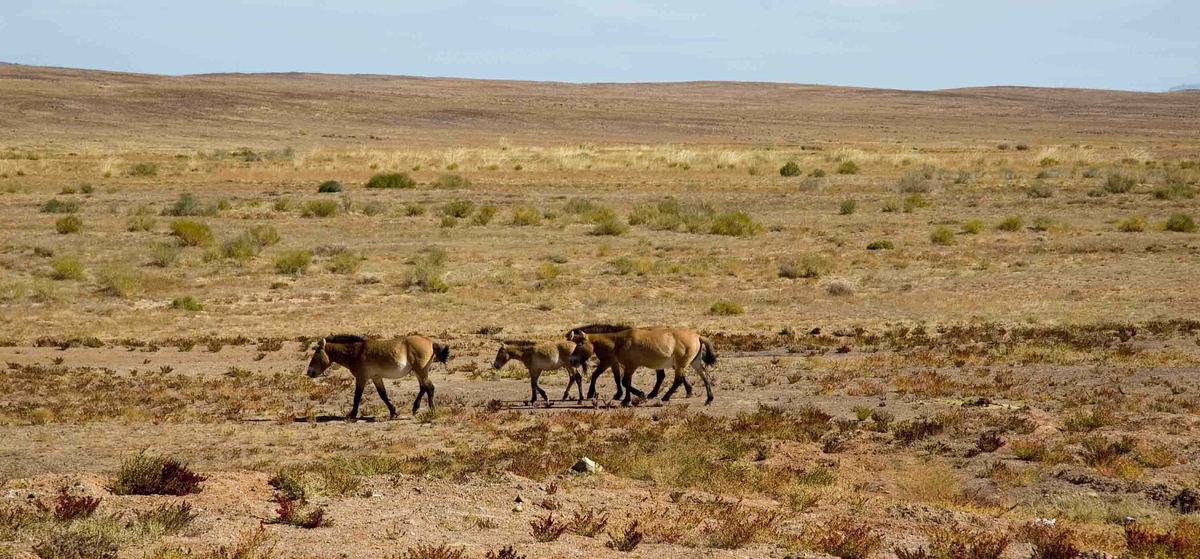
x=375, y=359
x=656, y=348
x=539, y=357
x=604, y=348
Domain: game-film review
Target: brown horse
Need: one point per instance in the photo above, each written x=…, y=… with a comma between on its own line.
x=604, y=348
x=656, y=348
x=539, y=357
x=376, y=359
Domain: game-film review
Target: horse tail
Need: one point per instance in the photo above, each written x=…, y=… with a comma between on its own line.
x=707, y=353
x=441, y=352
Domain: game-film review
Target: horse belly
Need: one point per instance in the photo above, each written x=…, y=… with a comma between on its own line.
x=400, y=371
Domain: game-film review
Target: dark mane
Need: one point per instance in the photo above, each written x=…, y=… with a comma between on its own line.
x=344, y=339
x=603, y=328
x=519, y=342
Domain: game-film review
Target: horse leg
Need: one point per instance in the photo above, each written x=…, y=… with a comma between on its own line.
x=630, y=391
x=579, y=382
x=619, y=381
x=659, y=375
x=679, y=379
x=417, y=402
x=359, y=384
x=426, y=385
x=707, y=386
x=572, y=376
x=595, y=375
x=379, y=387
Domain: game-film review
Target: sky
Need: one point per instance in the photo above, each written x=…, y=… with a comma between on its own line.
x=1148, y=45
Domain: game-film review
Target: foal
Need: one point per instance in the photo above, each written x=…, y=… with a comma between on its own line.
x=375, y=359
x=539, y=357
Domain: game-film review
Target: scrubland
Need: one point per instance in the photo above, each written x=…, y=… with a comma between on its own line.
x=942, y=344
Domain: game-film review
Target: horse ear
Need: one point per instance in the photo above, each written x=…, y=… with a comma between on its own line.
x=321, y=343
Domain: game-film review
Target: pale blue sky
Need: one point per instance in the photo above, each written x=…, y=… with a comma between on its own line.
x=910, y=44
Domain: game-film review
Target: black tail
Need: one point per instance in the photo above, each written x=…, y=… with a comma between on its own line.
x=708, y=354
x=441, y=352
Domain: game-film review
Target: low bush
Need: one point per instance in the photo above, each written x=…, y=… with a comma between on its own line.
x=428, y=271
x=625, y=539
x=329, y=187
x=319, y=208
x=189, y=206
x=146, y=474
x=143, y=170
x=726, y=308
x=807, y=266
x=484, y=215
x=913, y=202
x=587, y=522
x=942, y=236
x=845, y=538
x=66, y=268
x=847, y=207
x=451, y=181
x=545, y=529
x=847, y=167
x=525, y=215
x=610, y=226
x=914, y=182
x=163, y=254
x=1118, y=184
x=68, y=225
x=882, y=244
x=120, y=281
x=345, y=262
x=414, y=209
x=391, y=180
x=186, y=303
x=735, y=224
x=458, y=208
x=192, y=233
x=789, y=169
x=1132, y=224
x=293, y=262
x=1011, y=223
x=972, y=227
x=56, y=206
x=1181, y=223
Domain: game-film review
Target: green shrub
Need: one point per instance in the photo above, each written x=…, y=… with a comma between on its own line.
x=391, y=180
x=610, y=226
x=807, y=266
x=914, y=202
x=848, y=207
x=726, y=308
x=426, y=274
x=942, y=236
x=120, y=282
x=56, y=206
x=69, y=224
x=458, y=208
x=1181, y=223
x=484, y=215
x=1011, y=223
x=735, y=224
x=283, y=204
x=293, y=262
x=1040, y=190
x=1132, y=224
x=329, y=187
x=972, y=226
x=880, y=245
x=143, y=170
x=636, y=266
x=789, y=169
x=192, y=233
x=1118, y=184
x=451, y=181
x=414, y=209
x=374, y=207
x=890, y=206
x=146, y=474
x=319, y=208
x=817, y=173
x=139, y=222
x=345, y=262
x=525, y=215
x=913, y=182
x=241, y=248
x=187, y=205
x=1175, y=191
x=187, y=303
x=847, y=167
x=66, y=268
x=164, y=254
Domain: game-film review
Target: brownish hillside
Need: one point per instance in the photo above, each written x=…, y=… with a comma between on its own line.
x=42, y=105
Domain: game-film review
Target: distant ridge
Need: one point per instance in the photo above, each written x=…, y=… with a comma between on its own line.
x=1185, y=87
x=92, y=107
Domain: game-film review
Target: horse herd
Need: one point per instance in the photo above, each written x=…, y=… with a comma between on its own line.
x=621, y=349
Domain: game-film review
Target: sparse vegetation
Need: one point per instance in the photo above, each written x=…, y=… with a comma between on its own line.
x=790, y=169
x=293, y=262
x=192, y=233
x=726, y=308
x=147, y=474
x=68, y=225
x=329, y=187
x=391, y=180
